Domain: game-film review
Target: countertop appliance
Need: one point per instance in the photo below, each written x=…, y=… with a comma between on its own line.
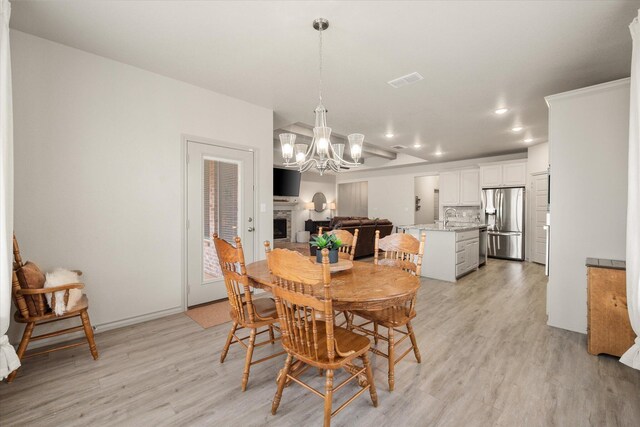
x=483, y=246
x=504, y=216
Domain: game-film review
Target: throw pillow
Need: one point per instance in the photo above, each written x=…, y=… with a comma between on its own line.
x=30, y=277
x=59, y=277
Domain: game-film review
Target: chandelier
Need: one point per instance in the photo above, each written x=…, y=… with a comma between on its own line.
x=321, y=153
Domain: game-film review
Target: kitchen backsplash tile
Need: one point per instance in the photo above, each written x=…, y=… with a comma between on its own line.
x=466, y=214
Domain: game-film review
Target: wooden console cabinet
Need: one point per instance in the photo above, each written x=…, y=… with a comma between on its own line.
x=608, y=328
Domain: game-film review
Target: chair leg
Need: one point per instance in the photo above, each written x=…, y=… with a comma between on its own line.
x=392, y=359
x=414, y=342
x=349, y=318
x=247, y=360
x=272, y=337
x=281, y=382
x=88, y=332
x=22, y=348
x=375, y=333
x=228, y=343
x=328, y=397
x=372, y=386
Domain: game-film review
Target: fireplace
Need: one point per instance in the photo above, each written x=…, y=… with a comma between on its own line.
x=280, y=228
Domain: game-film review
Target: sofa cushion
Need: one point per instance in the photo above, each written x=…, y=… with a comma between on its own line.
x=31, y=277
x=348, y=223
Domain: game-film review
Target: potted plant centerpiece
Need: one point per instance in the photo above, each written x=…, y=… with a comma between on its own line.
x=329, y=241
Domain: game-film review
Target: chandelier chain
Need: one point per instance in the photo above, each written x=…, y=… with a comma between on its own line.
x=320, y=67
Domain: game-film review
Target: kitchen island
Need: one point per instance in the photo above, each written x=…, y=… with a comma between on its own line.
x=449, y=252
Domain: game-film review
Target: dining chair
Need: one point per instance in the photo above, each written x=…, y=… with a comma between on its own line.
x=246, y=311
x=302, y=291
x=32, y=308
x=402, y=251
x=349, y=241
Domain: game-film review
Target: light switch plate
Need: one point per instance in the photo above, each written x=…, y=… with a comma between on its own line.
x=263, y=207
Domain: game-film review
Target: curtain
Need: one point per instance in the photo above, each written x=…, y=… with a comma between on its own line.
x=8, y=359
x=632, y=356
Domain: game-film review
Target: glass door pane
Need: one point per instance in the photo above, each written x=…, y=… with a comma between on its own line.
x=220, y=211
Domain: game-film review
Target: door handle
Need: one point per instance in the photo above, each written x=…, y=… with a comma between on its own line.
x=250, y=229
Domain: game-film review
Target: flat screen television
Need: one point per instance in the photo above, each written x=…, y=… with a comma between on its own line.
x=286, y=182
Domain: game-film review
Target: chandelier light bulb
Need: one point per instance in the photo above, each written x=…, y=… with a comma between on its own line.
x=286, y=143
x=323, y=146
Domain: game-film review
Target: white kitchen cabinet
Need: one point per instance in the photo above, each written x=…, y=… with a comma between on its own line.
x=449, y=254
x=460, y=188
x=467, y=252
x=470, y=187
x=514, y=174
x=491, y=176
x=449, y=188
x=505, y=174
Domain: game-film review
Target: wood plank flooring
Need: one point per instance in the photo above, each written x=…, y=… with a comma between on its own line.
x=488, y=358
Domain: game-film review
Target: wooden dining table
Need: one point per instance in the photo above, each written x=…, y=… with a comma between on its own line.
x=365, y=286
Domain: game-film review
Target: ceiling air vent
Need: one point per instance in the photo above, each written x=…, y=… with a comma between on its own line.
x=398, y=147
x=406, y=80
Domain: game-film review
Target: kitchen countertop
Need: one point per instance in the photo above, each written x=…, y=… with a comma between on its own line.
x=439, y=227
x=606, y=263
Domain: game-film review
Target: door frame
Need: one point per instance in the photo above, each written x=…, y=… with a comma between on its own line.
x=184, y=150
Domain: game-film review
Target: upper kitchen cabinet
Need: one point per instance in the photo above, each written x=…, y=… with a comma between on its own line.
x=449, y=188
x=470, y=187
x=460, y=188
x=504, y=174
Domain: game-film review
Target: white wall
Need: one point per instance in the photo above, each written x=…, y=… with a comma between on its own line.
x=99, y=171
x=538, y=158
x=310, y=184
x=424, y=189
x=391, y=191
x=588, y=141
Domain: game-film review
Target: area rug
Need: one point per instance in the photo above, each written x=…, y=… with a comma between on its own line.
x=210, y=315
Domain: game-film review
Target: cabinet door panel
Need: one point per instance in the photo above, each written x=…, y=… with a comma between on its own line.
x=514, y=174
x=449, y=188
x=491, y=176
x=470, y=187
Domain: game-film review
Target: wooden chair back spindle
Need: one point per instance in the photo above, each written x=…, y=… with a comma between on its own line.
x=400, y=250
x=349, y=242
x=236, y=281
x=300, y=303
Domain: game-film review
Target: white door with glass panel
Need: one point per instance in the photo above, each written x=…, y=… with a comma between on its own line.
x=219, y=200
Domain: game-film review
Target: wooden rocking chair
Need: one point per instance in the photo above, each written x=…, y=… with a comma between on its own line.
x=33, y=310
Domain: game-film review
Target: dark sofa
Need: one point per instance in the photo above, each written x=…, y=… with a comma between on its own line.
x=366, y=234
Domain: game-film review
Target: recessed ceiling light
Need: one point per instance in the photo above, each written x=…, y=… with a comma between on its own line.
x=417, y=145
x=501, y=111
x=517, y=128
x=528, y=140
x=389, y=135
x=438, y=153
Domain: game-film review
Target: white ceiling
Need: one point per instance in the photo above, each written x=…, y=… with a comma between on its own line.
x=474, y=56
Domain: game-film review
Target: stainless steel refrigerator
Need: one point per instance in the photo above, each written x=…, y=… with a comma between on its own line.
x=504, y=215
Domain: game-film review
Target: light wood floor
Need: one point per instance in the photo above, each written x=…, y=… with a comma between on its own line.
x=488, y=358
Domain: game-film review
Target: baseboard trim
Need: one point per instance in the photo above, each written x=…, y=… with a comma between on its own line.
x=103, y=327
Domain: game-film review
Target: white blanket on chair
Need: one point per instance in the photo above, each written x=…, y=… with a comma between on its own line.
x=59, y=277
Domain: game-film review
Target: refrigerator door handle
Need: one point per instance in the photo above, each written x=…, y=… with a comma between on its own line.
x=496, y=205
x=518, y=212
